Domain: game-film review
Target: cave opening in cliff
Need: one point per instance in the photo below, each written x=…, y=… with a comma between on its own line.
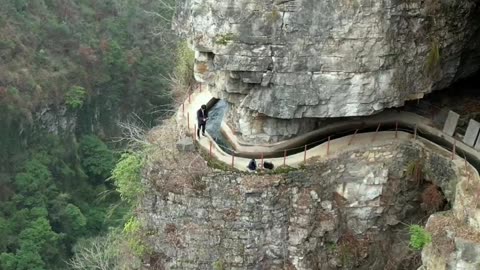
x=407, y=201
x=426, y=198
x=461, y=97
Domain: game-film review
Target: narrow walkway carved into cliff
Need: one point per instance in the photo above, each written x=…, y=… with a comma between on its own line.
x=335, y=138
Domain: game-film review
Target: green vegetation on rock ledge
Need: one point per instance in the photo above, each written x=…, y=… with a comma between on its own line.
x=419, y=237
x=218, y=265
x=127, y=177
x=224, y=39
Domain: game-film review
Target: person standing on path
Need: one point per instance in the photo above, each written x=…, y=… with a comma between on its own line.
x=202, y=117
x=252, y=165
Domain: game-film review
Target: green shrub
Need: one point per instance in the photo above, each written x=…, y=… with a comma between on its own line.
x=419, y=237
x=183, y=71
x=127, y=177
x=224, y=39
x=218, y=265
x=96, y=159
x=75, y=218
x=219, y=165
x=6, y=44
x=133, y=231
x=284, y=169
x=75, y=97
x=13, y=91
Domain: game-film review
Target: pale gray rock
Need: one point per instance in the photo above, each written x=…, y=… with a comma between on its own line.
x=451, y=123
x=297, y=219
x=291, y=60
x=472, y=132
x=467, y=255
x=186, y=145
x=55, y=119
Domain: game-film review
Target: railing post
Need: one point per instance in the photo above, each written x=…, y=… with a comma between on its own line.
x=305, y=154
x=188, y=121
x=233, y=160
x=353, y=137
x=468, y=180
x=183, y=108
x=396, y=129
x=453, y=150
x=195, y=132
x=284, y=157
x=328, y=146
x=415, y=132
x=261, y=160
x=376, y=131
x=465, y=158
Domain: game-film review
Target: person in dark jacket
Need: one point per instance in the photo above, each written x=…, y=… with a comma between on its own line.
x=252, y=165
x=202, y=117
x=268, y=165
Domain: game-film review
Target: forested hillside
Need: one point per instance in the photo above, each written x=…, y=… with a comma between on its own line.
x=70, y=70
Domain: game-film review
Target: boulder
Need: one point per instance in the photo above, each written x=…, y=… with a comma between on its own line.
x=186, y=145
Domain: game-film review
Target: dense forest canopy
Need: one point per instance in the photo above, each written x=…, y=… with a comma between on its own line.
x=69, y=71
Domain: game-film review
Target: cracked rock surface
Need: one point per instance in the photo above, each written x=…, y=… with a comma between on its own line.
x=355, y=206
x=283, y=64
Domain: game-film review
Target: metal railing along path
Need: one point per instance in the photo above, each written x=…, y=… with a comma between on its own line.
x=295, y=156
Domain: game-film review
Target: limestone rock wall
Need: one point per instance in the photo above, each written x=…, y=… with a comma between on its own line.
x=302, y=220
x=55, y=120
x=301, y=59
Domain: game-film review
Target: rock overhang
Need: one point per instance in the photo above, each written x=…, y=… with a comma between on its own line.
x=291, y=61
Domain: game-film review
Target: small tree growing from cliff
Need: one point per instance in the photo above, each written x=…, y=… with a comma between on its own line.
x=127, y=178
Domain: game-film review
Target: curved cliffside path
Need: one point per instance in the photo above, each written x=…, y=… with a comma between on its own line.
x=460, y=225
x=187, y=114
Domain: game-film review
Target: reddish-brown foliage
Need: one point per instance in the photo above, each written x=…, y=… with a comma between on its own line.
x=104, y=45
x=352, y=247
x=339, y=200
x=432, y=199
x=88, y=54
x=3, y=92
x=202, y=68
x=170, y=228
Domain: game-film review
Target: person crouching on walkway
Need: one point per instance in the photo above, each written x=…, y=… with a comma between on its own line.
x=202, y=117
x=252, y=165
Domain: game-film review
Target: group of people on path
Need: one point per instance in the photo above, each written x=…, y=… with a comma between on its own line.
x=252, y=165
x=202, y=117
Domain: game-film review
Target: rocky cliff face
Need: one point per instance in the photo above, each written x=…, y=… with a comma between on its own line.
x=55, y=120
x=281, y=63
x=343, y=213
